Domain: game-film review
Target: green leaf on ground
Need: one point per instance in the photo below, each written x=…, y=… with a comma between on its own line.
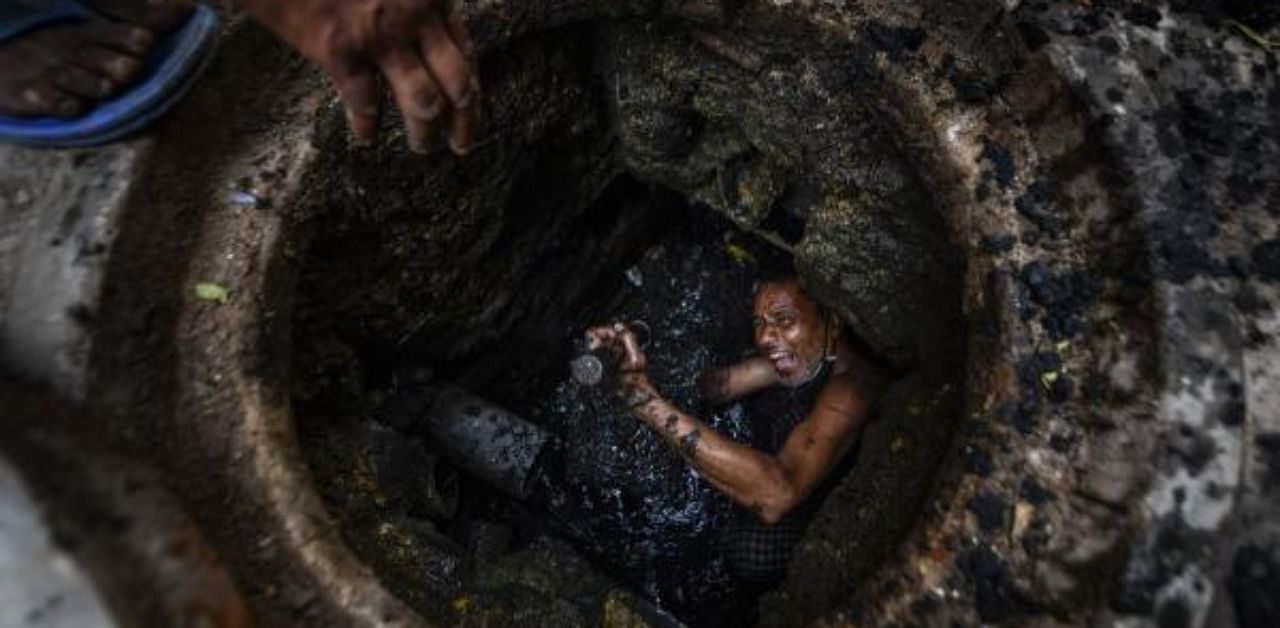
x=1048, y=378
x=210, y=291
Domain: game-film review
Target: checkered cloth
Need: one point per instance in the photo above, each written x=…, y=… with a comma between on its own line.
x=759, y=552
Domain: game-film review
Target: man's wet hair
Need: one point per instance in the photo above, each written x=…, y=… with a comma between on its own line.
x=775, y=273
x=785, y=272
x=781, y=274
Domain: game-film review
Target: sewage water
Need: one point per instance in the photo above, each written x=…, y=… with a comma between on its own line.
x=610, y=484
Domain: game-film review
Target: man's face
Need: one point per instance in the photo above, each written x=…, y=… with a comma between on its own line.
x=788, y=330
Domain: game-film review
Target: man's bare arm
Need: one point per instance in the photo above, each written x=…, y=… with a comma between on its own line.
x=728, y=383
x=769, y=486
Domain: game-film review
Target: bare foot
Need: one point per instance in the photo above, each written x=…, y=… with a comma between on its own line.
x=62, y=70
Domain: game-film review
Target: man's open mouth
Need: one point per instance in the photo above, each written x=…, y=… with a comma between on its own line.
x=782, y=360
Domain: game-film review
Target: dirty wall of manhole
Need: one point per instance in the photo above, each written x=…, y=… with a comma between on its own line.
x=1093, y=184
x=491, y=293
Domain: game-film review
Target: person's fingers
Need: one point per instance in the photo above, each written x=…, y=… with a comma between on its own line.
x=634, y=359
x=457, y=27
x=598, y=337
x=448, y=52
x=641, y=331
x=446, y=62
x=416, y=94
x=632, y=348
x=357, y=86
x=461, y=133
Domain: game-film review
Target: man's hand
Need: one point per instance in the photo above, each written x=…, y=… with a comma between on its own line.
x=421, y=53
x=632, y=386
x=620, y=336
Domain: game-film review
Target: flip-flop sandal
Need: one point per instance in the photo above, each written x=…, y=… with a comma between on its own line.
x=172, y=67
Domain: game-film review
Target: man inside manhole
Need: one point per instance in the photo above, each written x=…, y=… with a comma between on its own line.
x=809, y=393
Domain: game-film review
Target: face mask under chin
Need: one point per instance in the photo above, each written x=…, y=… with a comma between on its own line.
x=814, y=371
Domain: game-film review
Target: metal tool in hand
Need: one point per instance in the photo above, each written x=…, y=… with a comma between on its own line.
x=593, y=367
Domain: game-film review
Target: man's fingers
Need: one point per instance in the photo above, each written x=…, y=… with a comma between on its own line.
x=358, y=88
x=618, y=334
x=446, y=62
x=630, y=345
x=416, y=94
x=605, y=336
x=634, y=358
x=457, y=28
x=461, y=130
x=598, y=337
x=448, y=52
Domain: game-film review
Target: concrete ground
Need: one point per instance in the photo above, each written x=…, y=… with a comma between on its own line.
x=41, y=586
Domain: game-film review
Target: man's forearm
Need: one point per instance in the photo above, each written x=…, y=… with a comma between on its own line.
x=724, y=384
x=751, y=478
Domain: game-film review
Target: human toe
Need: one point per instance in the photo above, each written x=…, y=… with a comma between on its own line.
x=128, y=38
x=44, y=99
x=116, y=66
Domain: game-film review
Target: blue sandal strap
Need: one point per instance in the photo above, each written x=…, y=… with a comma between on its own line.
x=20, y=16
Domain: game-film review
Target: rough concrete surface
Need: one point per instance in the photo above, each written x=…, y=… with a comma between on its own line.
x=43, y=587
x=1058, y=219
x=96, y=538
